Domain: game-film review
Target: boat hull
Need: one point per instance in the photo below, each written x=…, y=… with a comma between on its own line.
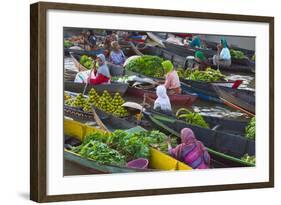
x=111, y=88
x=177, y=99
x=226, y=149
x=157, y=161
x=244, y=102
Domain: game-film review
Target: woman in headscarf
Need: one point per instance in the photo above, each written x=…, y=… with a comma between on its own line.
x=190, y=151
x=162, y=103
x=101, y=74
x=223, y=57
x=172, y=81
x=201, y=61
x=196, y=42
x=116, y=57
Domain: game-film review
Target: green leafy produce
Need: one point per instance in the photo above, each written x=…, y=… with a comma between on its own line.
x=209, y=75
x=132, y=145
x=67, y=44
x=86, y=61
x=249, y=159
x=191, y=117
x=123, y=79
x=237, y=54
x=147, y=65
x=99, y=152
x=251, y=129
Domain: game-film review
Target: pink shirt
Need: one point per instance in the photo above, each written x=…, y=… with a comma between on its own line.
x=172, y=80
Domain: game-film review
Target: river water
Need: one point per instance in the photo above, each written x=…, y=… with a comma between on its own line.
x=203, y=107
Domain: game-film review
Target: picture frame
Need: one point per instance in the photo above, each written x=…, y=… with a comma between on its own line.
x=39, y=92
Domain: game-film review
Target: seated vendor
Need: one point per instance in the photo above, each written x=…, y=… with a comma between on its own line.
x=201, y=61
x=172, y=81
x=116, y=57
x=101, y=74
x=223, y=57
x=191, y=151
x=162, y=103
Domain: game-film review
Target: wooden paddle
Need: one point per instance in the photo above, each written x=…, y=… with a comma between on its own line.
x=85, y=88
x=98, y=120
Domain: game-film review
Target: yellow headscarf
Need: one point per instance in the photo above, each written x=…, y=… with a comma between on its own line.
x=168, y=66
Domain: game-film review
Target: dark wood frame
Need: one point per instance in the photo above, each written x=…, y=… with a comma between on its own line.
x=38, y=100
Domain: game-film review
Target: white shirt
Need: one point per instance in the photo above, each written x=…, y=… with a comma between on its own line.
x=225, y=54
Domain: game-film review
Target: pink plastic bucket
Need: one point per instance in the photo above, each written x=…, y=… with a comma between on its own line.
x=140, y=163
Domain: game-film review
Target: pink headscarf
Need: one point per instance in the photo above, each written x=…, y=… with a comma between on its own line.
x=187, y=138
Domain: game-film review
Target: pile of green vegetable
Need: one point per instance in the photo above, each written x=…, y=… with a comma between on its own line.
x=100, y=152
x=237, y=54
x=251, y=129
x=123, y=79
x=209, y=75
x=67, y=44
x=86, y=61
x=120, y=147
x=192, y=118
x=146, y=65
x=249, y=159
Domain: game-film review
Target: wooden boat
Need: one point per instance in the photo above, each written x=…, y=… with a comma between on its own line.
x=232, y=126
x=115, y=70
x=69, y=75
x=243, y=101
x=155, y=38
x=99, y=118
x=237, y=68
x=219, y=125
x=243, y=61
x=157, y=161
x=213, y=45
x=186, y=98
x=76, y=60
x=185, y=51
x=180, y=60
x=111, y=88
x=68, y=51
x=223, y=147
x=206, y=91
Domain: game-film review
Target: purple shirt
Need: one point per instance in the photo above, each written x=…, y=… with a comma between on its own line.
x=117, y=58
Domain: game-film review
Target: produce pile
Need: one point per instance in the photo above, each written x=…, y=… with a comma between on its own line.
x=251, y=129
x=104, y=102
x=67, y=44
x=123, y=79
x=146, y=65
x=192, y=118
x=87, y=62
x=249, y=159
x=237, y=54
x=209, y=75
x=100, y=152
x=120, y=147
